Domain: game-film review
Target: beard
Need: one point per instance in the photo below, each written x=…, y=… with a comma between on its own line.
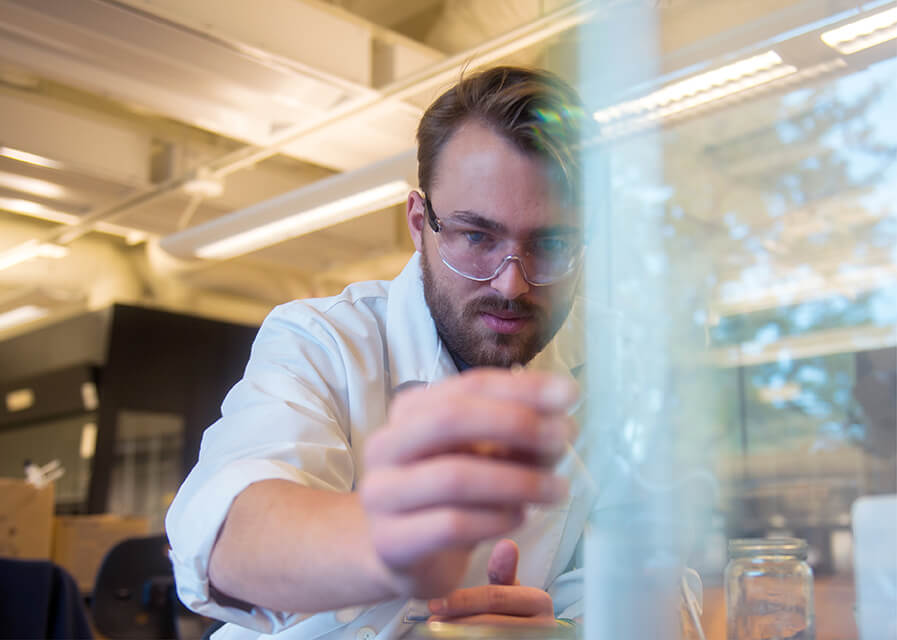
x=465, y=336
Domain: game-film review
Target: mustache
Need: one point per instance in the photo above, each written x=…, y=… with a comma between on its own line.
x=522, y=307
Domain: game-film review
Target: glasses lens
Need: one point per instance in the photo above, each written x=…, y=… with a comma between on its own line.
x=551, y=257
x=478, y=254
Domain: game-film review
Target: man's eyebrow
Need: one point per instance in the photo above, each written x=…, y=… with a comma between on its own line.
x=475, y=219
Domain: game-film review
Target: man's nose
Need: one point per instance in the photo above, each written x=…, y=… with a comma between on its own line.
x=510, y=281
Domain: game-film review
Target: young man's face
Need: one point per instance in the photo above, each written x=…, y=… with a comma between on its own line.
x=504, y=320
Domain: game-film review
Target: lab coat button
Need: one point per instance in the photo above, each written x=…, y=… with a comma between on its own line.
x=365, y=633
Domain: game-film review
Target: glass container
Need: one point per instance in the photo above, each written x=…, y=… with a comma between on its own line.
x=769, y=590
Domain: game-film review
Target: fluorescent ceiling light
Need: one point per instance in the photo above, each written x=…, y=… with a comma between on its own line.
x=307, y=221
x=31, y=185
x=42, y=212
x=30, y=158
x=21, y=315
x=864, y=33
x=311, y=207
x=30, y=250
x=37, y=210
x=698, y=90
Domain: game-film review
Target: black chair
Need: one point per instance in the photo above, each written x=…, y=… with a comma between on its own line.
x=39, y=599
x=134, y=596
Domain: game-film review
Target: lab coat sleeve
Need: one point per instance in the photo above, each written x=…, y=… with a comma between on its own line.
x=284, y=420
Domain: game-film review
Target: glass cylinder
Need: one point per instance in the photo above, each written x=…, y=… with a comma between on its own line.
x=769, y=590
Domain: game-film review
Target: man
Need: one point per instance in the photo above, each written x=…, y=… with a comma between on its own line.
x=353, y=475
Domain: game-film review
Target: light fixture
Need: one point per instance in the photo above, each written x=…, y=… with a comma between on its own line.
x=21, y=315
x=307, y=221
x=864, y=33
x=30, y=250
x=88, y=445
x=30, y=158
x=315, y=206
x=697, y=91
x=37, y=210
x=42, y=212
x=33, y=186
x=20, y=399
x=89, y=397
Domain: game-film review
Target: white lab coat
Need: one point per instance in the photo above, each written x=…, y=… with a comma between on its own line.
x=319, y=381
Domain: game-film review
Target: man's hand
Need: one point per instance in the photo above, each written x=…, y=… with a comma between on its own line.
x=457, y=464
x=502, y=602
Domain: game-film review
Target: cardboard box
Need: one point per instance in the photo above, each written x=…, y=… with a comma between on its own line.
x=81, y=542
x=26, y=519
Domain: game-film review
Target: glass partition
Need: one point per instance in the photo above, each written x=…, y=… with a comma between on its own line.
x=742, y=282
x=147, y=465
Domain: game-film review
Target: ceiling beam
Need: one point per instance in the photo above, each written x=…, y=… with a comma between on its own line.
x=437, y=75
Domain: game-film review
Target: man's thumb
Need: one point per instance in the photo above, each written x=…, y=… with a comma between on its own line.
x=502, y=567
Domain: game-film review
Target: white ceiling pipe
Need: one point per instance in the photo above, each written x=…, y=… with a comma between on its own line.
x=249, y=281
x=93, y=268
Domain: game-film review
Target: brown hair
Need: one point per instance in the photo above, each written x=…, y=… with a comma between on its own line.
x=533, y=109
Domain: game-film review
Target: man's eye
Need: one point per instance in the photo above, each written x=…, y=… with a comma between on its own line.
x=553, y=245
x=476, y=237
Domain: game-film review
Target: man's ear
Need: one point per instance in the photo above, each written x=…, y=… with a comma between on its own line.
x=415, y=212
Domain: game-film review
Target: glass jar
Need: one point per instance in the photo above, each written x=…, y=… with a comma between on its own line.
x=769, y=590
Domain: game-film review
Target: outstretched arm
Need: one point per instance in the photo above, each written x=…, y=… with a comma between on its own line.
x=454, y=465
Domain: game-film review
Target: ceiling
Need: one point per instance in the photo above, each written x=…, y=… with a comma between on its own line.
x=124, y=101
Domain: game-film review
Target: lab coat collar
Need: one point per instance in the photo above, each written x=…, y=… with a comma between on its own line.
x=416, y=354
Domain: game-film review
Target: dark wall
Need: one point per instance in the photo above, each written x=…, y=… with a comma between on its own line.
x=141, y=359
x=72, y=342
x=55, y=394
x=165, y=362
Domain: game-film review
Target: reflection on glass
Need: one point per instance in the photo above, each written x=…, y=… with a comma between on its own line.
x=60, y=439
x=750, y=250
x=146, y=470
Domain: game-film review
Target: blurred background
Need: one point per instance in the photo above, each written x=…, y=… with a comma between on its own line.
x=170, y=170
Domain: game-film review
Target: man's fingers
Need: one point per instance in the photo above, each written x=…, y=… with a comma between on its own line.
x=457, y=423
x=404, y=539
x=502, y=565
x=493, y=599
x=524, y=414
x=459, y=480
x=546, y=392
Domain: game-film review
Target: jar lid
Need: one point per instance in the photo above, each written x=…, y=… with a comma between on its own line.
x=745, y=547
